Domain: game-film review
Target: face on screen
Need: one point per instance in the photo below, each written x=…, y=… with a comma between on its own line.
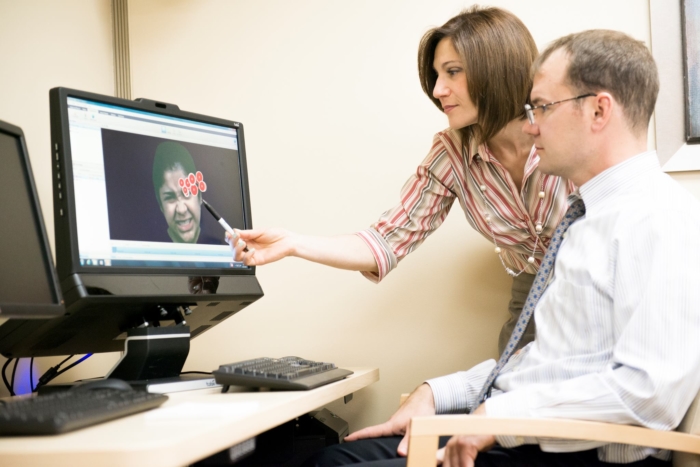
x=182, y=213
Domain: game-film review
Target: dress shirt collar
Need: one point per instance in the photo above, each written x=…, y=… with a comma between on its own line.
x=617, y=179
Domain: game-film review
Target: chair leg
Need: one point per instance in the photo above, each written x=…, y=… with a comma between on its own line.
x=421, y=451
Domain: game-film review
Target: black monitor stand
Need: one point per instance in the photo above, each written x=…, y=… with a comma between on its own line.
x=153, y=360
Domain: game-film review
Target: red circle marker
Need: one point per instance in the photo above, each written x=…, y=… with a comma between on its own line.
x=199, y=176
x=187, y=182
x=181, y=182
x=202, y=186
x=186, y=191
x=191, y=178
x=194, y=190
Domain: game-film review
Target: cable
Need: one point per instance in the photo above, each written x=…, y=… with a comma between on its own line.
x=51, y=373
x=85, y=357
x=4, y=376
x=31, y=374
x=12, y=381
x=196, y=373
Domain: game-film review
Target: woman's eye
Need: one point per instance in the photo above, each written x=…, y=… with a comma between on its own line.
x=544, y=108
x=453, y=71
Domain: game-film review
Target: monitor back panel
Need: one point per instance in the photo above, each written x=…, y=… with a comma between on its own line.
x=28, y=283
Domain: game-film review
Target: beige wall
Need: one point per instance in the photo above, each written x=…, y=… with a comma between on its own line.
x=335, y=122
x=44, y=44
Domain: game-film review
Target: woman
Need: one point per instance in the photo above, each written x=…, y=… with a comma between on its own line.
x=476, y=69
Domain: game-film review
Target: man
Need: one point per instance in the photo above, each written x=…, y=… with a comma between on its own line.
x=181, y=207
x=617, y=321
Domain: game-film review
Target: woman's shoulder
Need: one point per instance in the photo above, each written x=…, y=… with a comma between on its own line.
x=448, y=135
x=447, y=141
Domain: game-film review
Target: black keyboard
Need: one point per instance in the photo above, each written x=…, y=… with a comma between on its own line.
x=59, y=412
x=291, y=373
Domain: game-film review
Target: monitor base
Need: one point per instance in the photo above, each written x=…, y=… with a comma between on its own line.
x=154, y=386
x=176, y=384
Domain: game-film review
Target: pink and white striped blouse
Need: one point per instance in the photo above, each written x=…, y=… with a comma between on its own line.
x=484, y=188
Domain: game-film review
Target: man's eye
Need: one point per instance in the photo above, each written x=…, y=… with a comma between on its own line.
x=544, y=108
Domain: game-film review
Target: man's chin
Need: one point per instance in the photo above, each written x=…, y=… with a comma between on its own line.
x=190, y=236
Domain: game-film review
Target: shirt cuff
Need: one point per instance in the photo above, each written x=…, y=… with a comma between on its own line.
x=458, y=392
x=382, y=252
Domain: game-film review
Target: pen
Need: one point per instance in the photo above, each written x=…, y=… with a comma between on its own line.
x=222, y=222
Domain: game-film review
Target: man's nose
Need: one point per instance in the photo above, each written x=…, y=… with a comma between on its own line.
x=530, y=128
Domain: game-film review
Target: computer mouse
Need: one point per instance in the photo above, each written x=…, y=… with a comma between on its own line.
x=105, y=383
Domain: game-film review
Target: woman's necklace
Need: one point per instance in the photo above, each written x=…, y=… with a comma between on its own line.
x=487, y=217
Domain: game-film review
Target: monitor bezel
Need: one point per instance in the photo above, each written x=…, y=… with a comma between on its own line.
x=33, y=310
x=66, y=232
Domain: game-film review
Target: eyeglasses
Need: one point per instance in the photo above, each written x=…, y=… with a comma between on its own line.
x=530, y=110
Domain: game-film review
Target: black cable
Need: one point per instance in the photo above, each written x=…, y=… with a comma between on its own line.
x=85, y=357
x=4, y=376
x=12, y=381
x=196, y=373
x=31, y=374
x=51, y=373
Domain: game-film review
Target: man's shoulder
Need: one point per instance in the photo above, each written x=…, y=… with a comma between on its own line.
x=664, y=203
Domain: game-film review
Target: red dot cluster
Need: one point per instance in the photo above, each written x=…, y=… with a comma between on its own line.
x=192, y=184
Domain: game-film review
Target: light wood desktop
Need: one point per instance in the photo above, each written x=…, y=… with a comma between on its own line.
x=190, y=426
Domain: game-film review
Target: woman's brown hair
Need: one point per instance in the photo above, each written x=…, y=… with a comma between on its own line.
x=497, y=51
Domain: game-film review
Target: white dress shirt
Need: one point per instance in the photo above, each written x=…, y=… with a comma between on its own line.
x=618, y=328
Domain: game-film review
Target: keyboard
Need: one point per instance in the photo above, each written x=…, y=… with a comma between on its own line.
x=291, y=373
x=63, y=411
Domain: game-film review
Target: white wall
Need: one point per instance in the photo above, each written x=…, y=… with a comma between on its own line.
x=335, y=122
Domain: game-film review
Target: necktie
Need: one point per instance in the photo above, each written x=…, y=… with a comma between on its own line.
x=576, y=210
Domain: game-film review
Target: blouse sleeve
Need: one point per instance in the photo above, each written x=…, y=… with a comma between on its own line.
x=426, y=199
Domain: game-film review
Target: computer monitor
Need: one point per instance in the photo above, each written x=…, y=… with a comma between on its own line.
x=28, y=283
x=136, y=253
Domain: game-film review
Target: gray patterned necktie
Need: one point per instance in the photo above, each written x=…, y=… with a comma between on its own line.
x=576, y=210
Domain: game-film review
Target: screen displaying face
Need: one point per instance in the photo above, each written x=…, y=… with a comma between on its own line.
x=139, y=179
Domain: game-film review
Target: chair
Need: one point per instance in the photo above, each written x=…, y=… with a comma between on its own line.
x=425, y=432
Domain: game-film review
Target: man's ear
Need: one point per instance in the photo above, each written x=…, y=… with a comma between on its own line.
x=604, y=105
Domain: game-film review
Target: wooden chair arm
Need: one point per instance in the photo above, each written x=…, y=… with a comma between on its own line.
x=426, y=430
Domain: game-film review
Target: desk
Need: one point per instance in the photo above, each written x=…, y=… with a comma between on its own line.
x=190, y=426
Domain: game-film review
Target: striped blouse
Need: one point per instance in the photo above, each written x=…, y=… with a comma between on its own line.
x=485, y=190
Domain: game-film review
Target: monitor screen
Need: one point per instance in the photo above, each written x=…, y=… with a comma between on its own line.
x=28, y=285
x=138, y=183
x=135, y=247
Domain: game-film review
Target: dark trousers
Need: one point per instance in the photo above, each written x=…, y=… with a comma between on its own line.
x=381, y=452
x=518, y=295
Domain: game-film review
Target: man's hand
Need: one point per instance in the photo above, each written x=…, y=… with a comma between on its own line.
x=461, y=451
x=420, y=402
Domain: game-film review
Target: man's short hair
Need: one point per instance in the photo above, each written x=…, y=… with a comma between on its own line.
x=170, y=155
x=497, y=51
x=604, y=60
